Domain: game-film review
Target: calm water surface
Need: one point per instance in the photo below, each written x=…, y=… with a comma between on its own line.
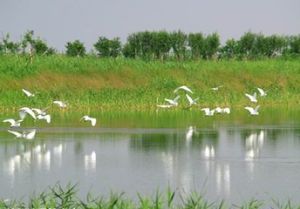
x=225, y=157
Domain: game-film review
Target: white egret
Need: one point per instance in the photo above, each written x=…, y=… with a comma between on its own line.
x=40, y=111
x=47, y=118
x=174, y=101
x=60, y=104
x=25, y=135
x=28, y=93
x=222, y=110
x=253, y=111
x=191, y=101
x=216, y=88
x=218, y=110
x=208, y=112
x=185, y=88
x=24, y=111
x=165, y=105
x=226, y=110
x=262, y=92
x=13, y=122
x=252, y=97
x=88, y=118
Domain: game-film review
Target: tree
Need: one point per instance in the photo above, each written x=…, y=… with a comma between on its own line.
x=108, y=48
x=178, y=43
x=161, y=44
x=212, y=43
x=196, y=43
x=294, y=44
x=230, y=50
x=75, y=48
x=9, y=46
x=246, y=44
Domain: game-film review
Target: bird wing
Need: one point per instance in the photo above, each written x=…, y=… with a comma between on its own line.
x=249, y=96
x=250, y=109
x=31, y=134
x=28, y=111
x=93, y=121
x=37, y=111
x=183, y=88
x=176, y=98
x=11, y=121
x=257, y=108
x=191, y=101
x=48, y=118
x=17, y=134
x=170, y=101
x=57, y=102
x=261, y=91
x=27, y=92
x=186, y=89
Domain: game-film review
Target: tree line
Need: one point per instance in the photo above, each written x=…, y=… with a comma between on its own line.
x=162, y=45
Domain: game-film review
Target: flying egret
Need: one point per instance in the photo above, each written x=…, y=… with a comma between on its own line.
x=252, y=97
x=13, y=122
x=216, y=88
x=191, y=101
x=88, y=118
x=174, y=101
x=185, y=88
x=262, y=92
x=24, y=111
x=40, y=111
x=25, y=135
x=47, y=118
x=28, y=93
x=253, y=111
x=208, y=112
x=60, y=104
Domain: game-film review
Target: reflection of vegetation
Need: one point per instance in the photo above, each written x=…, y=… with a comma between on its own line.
x=66, y=197
x=172, y=141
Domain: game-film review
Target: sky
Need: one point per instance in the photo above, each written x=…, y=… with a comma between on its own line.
x=60, y=21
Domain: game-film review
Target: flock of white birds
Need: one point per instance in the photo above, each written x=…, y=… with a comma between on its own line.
x=171, y=103
x=37, y=114
x=41, y=114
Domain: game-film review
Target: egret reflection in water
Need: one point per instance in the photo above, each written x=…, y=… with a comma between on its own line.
x=221, y=161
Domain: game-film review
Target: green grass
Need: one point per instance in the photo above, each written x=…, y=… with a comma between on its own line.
x=124, y=84
x=66, y=197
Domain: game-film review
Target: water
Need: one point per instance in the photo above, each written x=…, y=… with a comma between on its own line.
x=226, y=157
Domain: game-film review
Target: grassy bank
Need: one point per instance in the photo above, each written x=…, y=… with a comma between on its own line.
x=111, y=84
x=66, y=197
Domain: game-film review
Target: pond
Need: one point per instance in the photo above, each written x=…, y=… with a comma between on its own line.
x=232, y=157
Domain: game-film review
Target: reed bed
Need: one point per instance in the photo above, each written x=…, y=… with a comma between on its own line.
x=58, y=196
x=118, y=84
